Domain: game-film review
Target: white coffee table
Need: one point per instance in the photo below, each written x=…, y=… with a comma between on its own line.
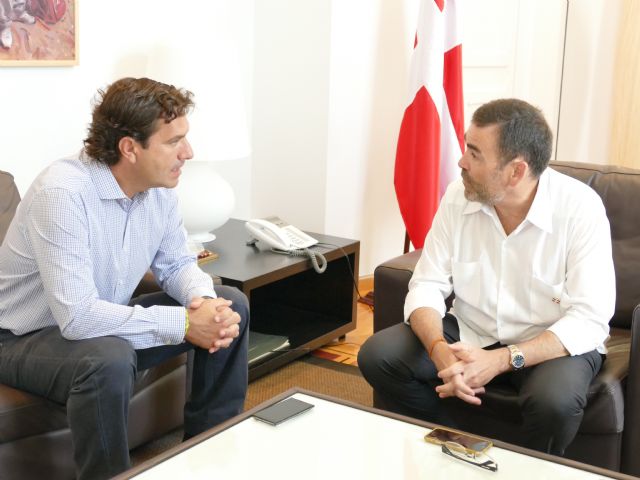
x=338, y=440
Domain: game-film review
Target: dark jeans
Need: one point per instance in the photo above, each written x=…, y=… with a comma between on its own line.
x=95, y=378
x=552, y=395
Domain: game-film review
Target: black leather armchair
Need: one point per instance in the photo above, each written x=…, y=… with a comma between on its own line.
x=609, y=435
x=35, y=441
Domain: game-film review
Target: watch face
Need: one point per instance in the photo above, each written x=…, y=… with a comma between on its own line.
x=517, y=361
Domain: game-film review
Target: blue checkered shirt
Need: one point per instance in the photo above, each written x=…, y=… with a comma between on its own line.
x=78, y=247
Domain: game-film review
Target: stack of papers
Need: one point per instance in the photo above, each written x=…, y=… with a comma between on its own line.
x=263, y=346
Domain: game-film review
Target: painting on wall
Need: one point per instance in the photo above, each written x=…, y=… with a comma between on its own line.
x=38, y=33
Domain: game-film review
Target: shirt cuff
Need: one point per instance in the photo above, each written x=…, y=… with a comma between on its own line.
x=592, y=336
x=171, y=330
x=202, y=292
x=423, y=297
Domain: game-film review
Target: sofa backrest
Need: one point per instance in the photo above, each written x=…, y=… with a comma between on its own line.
x=619, y=189
x=9, y=199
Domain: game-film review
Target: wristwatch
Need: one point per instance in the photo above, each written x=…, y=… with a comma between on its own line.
x=517, y=358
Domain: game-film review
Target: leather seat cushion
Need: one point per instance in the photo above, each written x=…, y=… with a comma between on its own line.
x=24, y=415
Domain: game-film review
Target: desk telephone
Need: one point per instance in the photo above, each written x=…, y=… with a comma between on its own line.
x=285, y=238
x=278, y=234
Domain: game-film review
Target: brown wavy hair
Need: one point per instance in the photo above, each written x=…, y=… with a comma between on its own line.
x=131, y=107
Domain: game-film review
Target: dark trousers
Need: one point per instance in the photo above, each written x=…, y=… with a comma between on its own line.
x=94, y=378
x=552, y=395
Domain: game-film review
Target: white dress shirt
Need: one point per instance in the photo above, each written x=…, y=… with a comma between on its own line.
x=78, y=247
x=553, y=272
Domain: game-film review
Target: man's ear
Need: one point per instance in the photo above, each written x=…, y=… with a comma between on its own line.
x=128, y=149
x=520, y=169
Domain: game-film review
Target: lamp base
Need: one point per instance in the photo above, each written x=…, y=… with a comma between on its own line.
x=205, y=200
x=206, y=256
x=195, y=246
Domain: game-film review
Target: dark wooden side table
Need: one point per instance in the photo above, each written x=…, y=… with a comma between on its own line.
x=287, y=297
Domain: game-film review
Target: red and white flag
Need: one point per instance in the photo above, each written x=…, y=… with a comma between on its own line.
x=431, y=137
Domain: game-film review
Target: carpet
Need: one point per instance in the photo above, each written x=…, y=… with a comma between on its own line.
x=315, y=374
x=309, y=372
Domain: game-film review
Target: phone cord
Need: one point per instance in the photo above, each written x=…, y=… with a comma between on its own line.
x=314, y=257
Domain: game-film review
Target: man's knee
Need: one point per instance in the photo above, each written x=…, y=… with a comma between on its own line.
x=369, y=356
x=382, y=354
x=554, y=406
x=111, y=362
x=558, y=389
x=239, y=301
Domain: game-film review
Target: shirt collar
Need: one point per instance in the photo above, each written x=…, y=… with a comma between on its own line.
x=540, y=213
x=103, y=179
x=106, y=184
x=473, y=207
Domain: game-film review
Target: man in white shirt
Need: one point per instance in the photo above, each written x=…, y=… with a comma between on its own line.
x=527, y=252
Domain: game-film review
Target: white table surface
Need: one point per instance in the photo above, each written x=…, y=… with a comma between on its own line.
x=333, y=441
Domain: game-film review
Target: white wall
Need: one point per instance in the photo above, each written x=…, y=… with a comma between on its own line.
x=369, y=80
x=587, y=92
x=290, y=117
x=516, y=54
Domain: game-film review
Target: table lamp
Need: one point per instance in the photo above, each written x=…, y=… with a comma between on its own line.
x=217, y=128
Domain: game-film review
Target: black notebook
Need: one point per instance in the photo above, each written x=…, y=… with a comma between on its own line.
x=262, y=346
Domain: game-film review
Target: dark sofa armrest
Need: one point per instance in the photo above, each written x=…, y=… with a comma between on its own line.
x=631, y=440
x=390, y=286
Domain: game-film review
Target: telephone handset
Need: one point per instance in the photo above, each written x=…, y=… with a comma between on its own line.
x=287, y=239
x=277, y=234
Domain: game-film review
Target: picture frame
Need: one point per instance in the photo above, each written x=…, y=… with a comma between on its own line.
x=38, y=33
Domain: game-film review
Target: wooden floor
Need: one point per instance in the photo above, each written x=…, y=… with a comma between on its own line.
x=345, y=350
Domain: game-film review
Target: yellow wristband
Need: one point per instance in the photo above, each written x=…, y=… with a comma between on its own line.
x=434, y=343
x=186, y=321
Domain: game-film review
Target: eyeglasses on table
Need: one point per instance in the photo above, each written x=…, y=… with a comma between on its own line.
x=458, y=452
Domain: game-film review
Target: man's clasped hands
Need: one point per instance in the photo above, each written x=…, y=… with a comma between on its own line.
x=212, y=323
x=465, y=369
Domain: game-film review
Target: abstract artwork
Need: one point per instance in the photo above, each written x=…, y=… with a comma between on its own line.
x=38, y=33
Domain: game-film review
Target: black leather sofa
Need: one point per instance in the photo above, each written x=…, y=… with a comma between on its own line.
x=609, y=435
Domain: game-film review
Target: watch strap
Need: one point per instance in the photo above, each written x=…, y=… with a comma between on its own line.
x=516, y=360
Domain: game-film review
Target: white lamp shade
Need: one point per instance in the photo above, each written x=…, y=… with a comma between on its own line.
x=206, y=200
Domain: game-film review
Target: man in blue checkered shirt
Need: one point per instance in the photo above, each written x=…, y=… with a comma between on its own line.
x=84, y=235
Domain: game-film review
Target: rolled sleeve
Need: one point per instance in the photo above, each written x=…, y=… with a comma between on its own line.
x=423, y=297
x=593, y=333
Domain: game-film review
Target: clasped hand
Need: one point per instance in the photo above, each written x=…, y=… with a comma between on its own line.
x=464, y=370
x=212, y=323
